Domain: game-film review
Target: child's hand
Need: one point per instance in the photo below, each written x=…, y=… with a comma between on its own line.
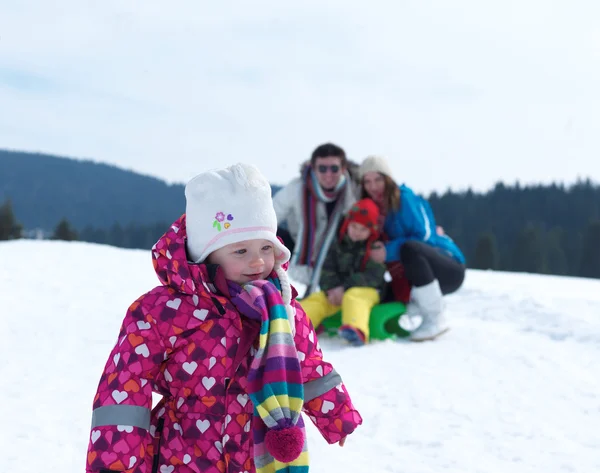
x=342, y=441
x=335, y=295
x=378, y=252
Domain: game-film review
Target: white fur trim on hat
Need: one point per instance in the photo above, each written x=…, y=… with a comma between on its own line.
x=227, y=206
x=375, y=164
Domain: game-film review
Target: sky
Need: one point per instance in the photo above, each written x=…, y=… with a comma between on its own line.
x=455, y=94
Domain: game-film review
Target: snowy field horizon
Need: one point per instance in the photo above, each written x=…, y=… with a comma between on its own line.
x=513, y=387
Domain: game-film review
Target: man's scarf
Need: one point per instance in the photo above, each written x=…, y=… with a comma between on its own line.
x=308, y=252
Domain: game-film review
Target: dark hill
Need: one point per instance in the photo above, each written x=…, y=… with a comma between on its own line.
x=44, y=189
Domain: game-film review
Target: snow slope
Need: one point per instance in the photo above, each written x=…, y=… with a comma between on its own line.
x=513, y=388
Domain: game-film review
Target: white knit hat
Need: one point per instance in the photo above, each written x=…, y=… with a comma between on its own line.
x=227, y=206
x=230, y=205
x=374, y=164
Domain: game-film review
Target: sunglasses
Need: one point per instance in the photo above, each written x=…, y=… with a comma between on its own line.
x=322, y=168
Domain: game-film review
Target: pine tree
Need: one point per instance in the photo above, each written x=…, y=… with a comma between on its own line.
x=94, y=235
x=556, y=256
x=116, y=235
x=10, y=229
x=486, y=252
x=63, y=231
x=590, y=256
x=529, y=252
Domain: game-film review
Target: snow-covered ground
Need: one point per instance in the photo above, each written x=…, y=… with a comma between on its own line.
x=514, y=387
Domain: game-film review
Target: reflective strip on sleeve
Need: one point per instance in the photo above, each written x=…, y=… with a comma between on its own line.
x=135, y=416
x=320, y=386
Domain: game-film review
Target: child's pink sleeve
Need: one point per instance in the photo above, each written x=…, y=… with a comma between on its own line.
x=121, y=433
x=326, y=400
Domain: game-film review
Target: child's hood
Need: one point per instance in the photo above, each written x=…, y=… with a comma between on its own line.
x=169, y=258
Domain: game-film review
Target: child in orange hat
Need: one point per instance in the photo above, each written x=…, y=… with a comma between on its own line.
x=350, y=279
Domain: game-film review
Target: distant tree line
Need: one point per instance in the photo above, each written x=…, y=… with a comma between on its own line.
x=11, y=229
x=128, y=236
x=551, y=229
x=539, y=229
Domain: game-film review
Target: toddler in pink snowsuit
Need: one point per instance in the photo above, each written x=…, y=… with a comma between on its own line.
x=225, y=344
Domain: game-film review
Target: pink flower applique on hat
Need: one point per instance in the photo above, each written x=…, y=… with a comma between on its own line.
x=220, y=218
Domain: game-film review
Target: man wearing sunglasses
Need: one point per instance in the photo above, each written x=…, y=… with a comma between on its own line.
x=311, y=206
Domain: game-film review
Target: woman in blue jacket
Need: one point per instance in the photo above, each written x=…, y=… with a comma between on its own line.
x=432, y=262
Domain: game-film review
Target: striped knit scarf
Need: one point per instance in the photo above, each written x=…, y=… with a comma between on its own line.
x=274, y=379
x=313, y=193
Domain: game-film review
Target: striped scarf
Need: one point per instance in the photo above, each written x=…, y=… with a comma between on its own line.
x=274, y=379
x=313, y=193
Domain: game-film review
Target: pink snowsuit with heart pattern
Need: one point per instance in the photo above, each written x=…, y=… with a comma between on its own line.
x=186, y=341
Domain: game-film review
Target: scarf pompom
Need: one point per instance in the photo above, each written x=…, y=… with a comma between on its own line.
x=285, y=444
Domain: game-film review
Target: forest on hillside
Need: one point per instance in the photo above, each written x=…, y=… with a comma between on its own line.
x=552, y=229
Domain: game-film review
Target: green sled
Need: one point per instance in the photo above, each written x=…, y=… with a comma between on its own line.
x=383, y=322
